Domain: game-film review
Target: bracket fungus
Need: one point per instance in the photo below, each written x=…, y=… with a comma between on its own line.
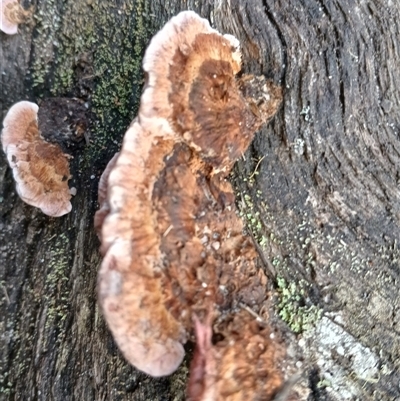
x=12, y=14
x=40, y=169
x=173, y=245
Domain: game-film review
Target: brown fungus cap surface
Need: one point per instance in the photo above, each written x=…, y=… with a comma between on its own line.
x=210, y=269
x=195, y=96
x=40, y=169
x=173, y=245
x=130, y=277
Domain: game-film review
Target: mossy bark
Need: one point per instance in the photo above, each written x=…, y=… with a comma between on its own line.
x=318, y=190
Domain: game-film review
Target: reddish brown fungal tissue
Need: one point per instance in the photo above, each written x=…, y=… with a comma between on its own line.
x=40, y=169
x=176, y=261
x=238, y=367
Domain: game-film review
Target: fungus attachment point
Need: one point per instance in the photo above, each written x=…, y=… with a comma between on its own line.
x=171, y=239
x=12, y=14
x=240, y=366
x=203, y=369
x=40, y=169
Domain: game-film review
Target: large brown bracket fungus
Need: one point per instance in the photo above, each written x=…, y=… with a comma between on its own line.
x=40, y=169
x=173, y=245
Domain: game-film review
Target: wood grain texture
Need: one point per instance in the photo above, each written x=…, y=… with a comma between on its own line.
x=326, y=195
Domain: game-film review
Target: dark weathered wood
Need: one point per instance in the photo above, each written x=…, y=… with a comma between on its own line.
x=318, y=188
x=329, y=183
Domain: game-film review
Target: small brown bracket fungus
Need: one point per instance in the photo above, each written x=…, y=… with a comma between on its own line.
x=12, y=14
x=40, y=169
x=172, y=242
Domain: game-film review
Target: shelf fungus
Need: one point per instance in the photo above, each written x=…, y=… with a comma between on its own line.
x=176, y=262
x=40, y=169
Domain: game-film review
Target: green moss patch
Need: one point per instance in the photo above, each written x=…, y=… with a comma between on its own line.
x=97, y=45
x=293, y=306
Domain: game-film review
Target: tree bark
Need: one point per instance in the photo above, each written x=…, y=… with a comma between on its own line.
x=317, y=189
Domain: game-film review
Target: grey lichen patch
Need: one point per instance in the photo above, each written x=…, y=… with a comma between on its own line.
x=56, y=290
x=294, y=307
x=5, y=384
x=4, y=298
x=299, y=146
x=48, y=23
x=6, y=387
x=345, y=365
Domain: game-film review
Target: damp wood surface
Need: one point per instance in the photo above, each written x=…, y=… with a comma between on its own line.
x=317, y=190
